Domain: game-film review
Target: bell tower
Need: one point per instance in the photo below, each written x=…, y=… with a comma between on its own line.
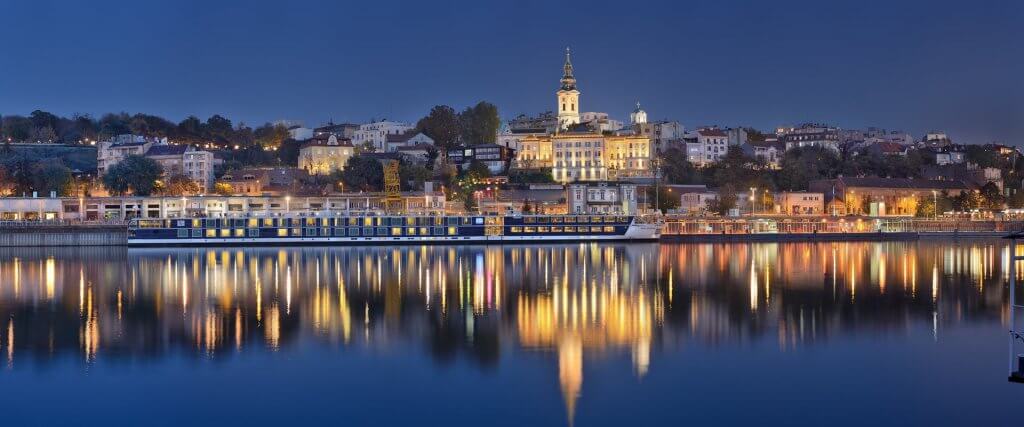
x=568, y=97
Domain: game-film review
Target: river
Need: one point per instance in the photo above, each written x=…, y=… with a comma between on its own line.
x=890, y=333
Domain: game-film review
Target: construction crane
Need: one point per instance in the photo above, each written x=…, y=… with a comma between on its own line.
x=392, y=188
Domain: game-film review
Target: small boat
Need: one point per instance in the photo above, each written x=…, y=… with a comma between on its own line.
x=345, y=229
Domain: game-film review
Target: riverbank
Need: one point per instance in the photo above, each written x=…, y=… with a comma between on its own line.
x=64, y=235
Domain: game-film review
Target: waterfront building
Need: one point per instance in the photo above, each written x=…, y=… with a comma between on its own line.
x=112, y=151
x=602, y=198
x=495, y=156
x=768, y=152
x=694, y=199
x=323, y=155
x=300, y=133
x=707, y=146
x=799, y=203
x=375, y=134
x=268, y=181
x=885, y=196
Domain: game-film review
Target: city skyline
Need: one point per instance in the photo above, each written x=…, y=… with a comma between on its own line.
x=748, y=66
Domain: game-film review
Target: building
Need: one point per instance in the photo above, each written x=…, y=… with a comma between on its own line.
x=418, y=154
x=662, y=133
x=324, y=154
x=408, y=139
x=737, y=136
x=580, y=153
x=300, y=133
x=884, y=196
x=111, y=152
x=375, y=134
x=810, y=135
x=495, y=156
x=693, y=199
x=269, y=181
x=602, y=198
x=546, y=122
x=768, y=152
x=638, y=116
x=799, y=203
x=568, y=97
x=882, y=148
x=175, y=159
x=707, y=146
x=340, y=130
x=512, y=138
x=600, y=122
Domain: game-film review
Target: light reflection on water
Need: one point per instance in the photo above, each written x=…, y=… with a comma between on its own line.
x=475, y=305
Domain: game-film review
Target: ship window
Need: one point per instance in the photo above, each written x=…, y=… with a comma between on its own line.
x=424, y=231
x=583, y=219
x=197, y=223
x=197, y=232
x=438, y=231
x=254, y=233
x=556, y=229
x=239, y=232
x=211, y=232
x=268, y=222
x=438, y=221
x=396, y=231
x=253, y=223
x=530, y=220
x=297, y=232
x=410, y=221
x=569, y=219
x=282, y=232
x=609, y=229
x=453, y=231
x=595, y=229
x=210, y=223
x=367, y=222
x=225, y=232
x=353, y=231
x=453, y=221
x=516, y=229
x=183, y=233
x=339, y=232
x=529, y=229
x=326, y=231
x=543, y=229
x=543, y=220
x=570, y=229
x=556, y=220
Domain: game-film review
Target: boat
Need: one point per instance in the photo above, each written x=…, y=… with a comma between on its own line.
x=344, y=229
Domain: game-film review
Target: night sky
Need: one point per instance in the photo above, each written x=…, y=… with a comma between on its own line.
x=912, y=65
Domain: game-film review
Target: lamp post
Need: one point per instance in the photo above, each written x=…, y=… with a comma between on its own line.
x=935, y=205
x=753, y=190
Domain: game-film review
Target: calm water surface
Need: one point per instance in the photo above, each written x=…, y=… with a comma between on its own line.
x=613, y=334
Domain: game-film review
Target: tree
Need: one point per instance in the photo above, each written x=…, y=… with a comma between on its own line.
x=968, y=201
x=111, y=125
x=479, y=124
x=666, y=199
x=179, y=185
x=363, y=174
x=134, y=173
x=677, y=169
x=413, y=176
x=992, y=197
x=52, y=175
x=442, y=125
x=271, y=136
x=925, y=207
x=223, y=189
x=725, y=201
x=801, y=165
x=17, y=128
x=1016, y=201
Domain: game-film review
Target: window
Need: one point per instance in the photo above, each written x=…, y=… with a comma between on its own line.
x=516, y=229
x=529, y=229
x=210, y=232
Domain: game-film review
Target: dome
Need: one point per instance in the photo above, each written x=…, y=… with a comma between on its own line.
x=638, y=116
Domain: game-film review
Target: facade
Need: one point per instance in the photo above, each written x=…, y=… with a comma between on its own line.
x=695, y=201
x=546, y=122
x=768, y=152
x=811, y=135
x=661, y=133
x=602, y=198
x=638, y=116
x=600, y=122
x=323, y=155
x=512, y=138
x=495, y=156
x=175, y=159
x=376, y=133
x=418, y=154
x=300, y=133
x=709, y=146
x=268, y=181
x=799, y=203
x=408, y=139
x=884, y=196
x=568, y=97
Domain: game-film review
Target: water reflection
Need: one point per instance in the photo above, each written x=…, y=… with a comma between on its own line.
x=480, y=302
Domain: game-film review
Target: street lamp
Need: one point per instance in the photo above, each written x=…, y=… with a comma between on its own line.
x=753, y=190
x=935, y=205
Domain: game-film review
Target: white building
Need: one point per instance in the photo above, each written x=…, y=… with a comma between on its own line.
x=376, y=133
x=408, y=139
x=638, y=116
x=568, y=97
x=600, y=122
x=300, y=133
x=173, y=158
x=602, y=198
x=710, y=146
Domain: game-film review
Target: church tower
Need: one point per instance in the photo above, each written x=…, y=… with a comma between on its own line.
x=638, y=116
x=568, y=97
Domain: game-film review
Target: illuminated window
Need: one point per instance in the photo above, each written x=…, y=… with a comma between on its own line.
x=197, y=223
x=543, y=229
x=556, y=220
x=424, y=231
x=297, y=232
x=411, y=231
x=516, y=229
x=282, y=232
x=210, y=232
x=225, y=232
x=310, y=221
x=268, y=222
x=253, y=223
x=410, y=221
x=609, y=229
x=595, y=229
x=529, y=229
x=570, y=229
x=367, y=222
x=453, y=231
x=239, y=232
x=556, y=229
x=396, y=231
x=530, y=220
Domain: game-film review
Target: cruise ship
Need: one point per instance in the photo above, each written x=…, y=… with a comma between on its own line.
x=373, y=229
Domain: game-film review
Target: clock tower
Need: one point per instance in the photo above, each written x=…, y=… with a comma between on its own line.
x=568, y=97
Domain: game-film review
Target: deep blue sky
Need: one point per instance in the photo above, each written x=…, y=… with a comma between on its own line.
x=911, y=65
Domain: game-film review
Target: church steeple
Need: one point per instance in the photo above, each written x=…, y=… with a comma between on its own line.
x=568, y=81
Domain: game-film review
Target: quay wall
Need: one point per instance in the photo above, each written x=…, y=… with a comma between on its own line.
x=63, y=235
